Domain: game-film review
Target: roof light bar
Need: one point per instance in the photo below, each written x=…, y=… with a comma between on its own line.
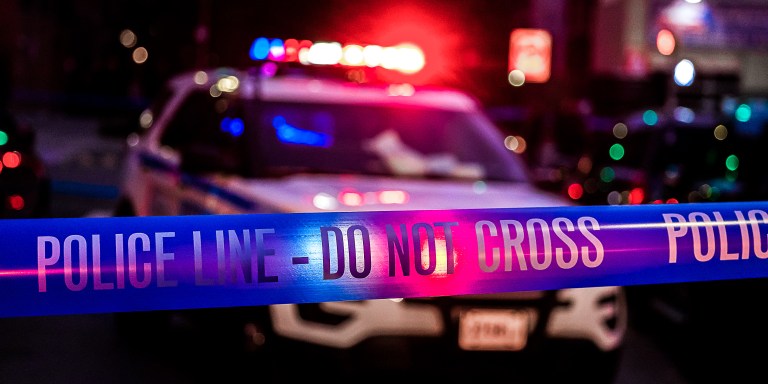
x=405, y=58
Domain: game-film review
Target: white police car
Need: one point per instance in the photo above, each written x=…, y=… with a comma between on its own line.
x=228, y=141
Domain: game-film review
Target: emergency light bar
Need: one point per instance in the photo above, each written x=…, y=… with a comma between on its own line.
x=405, y=58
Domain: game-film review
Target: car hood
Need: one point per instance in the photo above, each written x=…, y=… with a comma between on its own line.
x=318, y=193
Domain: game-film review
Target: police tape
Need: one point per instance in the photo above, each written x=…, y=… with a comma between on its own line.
x=119, y=264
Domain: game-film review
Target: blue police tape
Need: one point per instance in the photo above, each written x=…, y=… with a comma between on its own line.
x=97, y=265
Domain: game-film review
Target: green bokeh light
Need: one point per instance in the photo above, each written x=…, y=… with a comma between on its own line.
x=743, y=113
x=616, y=152
x=607, y=174
x=3, y=138
x=732, y=162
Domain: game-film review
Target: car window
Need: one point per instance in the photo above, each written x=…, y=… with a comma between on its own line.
x=206, y=132
x=396, y=140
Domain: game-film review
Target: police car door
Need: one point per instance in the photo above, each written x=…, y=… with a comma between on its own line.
x=204, y=137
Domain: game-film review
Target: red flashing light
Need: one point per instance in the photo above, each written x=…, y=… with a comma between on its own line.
x=636, y=196
x=291, y=50
x=393, y=197
x=351, y=198
x=530, y=50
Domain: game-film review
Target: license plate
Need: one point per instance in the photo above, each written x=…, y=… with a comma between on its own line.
x=493, y=329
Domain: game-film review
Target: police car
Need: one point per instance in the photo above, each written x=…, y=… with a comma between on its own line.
x=274, y=139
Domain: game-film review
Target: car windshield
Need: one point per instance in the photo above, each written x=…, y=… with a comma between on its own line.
x=396, y=140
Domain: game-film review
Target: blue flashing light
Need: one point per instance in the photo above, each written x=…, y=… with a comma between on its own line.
x=233, y=126
x=260, y=48
x=290, y=134
x=277, y=50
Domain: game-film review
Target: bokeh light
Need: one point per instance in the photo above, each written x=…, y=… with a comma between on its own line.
x=614, y=198
x=352, y=55
x=140, y=55
x=3, y=138
x=515, y=144
x=516, y=77
x=214, y=91
x=479, y=187
x=607, y=174
x=401, y=90
x=146, y=119
x=743, y=113
x=410, y=58
x=585, y=164
x=16, y=202
x=616, y=151
x=351, y=198
x=684, y=73
x=228, y=84
x=276, y=50
x=323, y=53
x=665, y=42
x=324, y=201
x=650, y=117
x=721, y=132
x=732, y=162
x=259, y=49
x=11, y=159
x=372, y=55
x=684, y=114
x=575, y=191
x=128, y=38
x=393, y=197
x=200, y=77
x=620, y=130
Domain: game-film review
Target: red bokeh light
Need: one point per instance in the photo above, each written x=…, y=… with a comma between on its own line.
x=16, y=202
x=11, y=159
x=393, y=197
x=665, y=42
x=636, y=196
x=575, y=191
x=351, y=198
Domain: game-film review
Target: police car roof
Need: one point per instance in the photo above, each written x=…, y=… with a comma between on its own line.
x=313, y=88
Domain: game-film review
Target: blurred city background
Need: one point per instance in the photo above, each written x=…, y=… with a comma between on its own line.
x=668, y=72
x=621, y=102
